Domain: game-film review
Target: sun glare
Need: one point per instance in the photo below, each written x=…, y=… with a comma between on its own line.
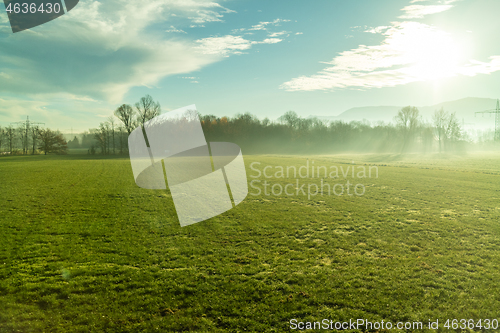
x=428, y=53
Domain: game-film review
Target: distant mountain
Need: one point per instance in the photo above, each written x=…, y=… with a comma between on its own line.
x=464, y=109
x=370, y=113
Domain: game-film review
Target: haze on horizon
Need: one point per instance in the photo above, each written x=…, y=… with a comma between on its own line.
x=230, y=57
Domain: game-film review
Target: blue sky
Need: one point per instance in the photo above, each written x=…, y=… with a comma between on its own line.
x=265, y=57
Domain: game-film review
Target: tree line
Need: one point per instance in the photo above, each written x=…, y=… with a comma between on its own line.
x=294, y=134
x=288, y=134
x=31, y=140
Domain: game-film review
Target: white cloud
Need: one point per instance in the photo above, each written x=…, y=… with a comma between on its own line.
x=5, y=75
x=3, y=17
x=228, y=45
x=102, y=49
x=193, y=79
x=277, y=34
x=269, y=41
x=44, y=109
x=236, y=44
x=477, y=67
x=410, y=52
x=14, y=110
x=378, y=30
x=443, y=2
x=264, y=25
x=419, y=11
x=223, y=46
x=174, y=29
x=209, y=12
x=81, y=98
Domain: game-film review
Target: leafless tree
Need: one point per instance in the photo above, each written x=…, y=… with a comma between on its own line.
x=111, y=121
x=290, y=118
x=34, y=134
x=126, y=115
x=2, y=135
x=447, y=127
x=23, y=135
x=453, y=129
x=122, y=138
x=147, y=109
x=440, y=119
x=102, y=137
x=408, y=120
x=10, y=134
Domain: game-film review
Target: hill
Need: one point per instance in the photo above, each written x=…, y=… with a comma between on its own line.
x=464, y=109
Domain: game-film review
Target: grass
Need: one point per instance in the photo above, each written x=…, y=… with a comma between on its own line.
x=84, y=249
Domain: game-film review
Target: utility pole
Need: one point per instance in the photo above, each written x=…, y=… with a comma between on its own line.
x=497, y=119
x=26, y=128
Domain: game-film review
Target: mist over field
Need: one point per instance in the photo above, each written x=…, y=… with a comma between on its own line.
x=249, y=166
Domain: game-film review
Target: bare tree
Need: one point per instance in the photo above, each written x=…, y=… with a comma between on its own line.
x=126, y=115
x=147, y=109
x=408, y=119
x=101, y=135
x=2, y=134
x=290, y=118
x=34, y=135
x=10, y=134
x=23, y=135
x=453, y=129
x=111, y=122
x=123, y=139
x=440, y=119
x=448, y=128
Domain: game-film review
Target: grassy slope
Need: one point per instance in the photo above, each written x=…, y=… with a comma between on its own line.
x=83, y=247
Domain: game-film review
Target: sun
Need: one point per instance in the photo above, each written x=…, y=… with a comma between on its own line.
x=428, y=53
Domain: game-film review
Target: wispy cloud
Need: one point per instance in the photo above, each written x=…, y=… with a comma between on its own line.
x=174, y=29
x=277, y=34
x=235, y=44
x=207, y=12
x=419, y=11
x=265, y=25
x=378, y=30
x=475, y=67
x=224, y=46
x=410, y=52
x=228, y=45
x=46, y=109
x=103, y=49
x=441, y=2
x=193, y=79
x=269, y=41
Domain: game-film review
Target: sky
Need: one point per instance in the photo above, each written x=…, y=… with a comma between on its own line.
x=317, y=57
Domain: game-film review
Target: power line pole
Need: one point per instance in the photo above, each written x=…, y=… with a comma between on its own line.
x=26, y=127
x=497, y=119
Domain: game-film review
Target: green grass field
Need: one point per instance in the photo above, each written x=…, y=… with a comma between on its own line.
x=83, y=249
